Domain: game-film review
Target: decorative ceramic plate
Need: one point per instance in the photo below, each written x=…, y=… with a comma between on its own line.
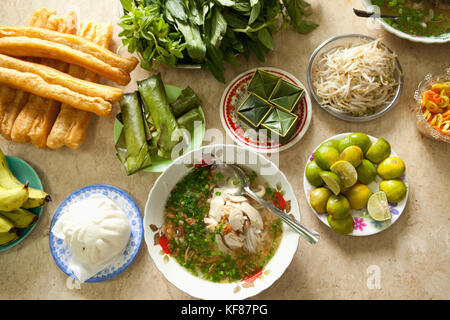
x=23, y=172
x=61, y=253
x=233, y=96
x=364, y=225
x=160, y=164
x=181, y=277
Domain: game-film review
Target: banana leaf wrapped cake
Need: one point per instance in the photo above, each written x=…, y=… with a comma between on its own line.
x=254, y=110
x=286, y=95
x=151, y=123
x=263, y=83
x=271, y=104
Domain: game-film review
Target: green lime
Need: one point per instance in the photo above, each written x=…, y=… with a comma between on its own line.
x=358, y=196
x=359, y=139
x=346, y=172
x=341, y=226
x=325, y=157
x=318, y=199
x=378, y=207
x=379, y=151
x=395, y=190
x=352, y=154
x=331, y=143
x=332, y=181
x=312, y=174
x=338, y=206
x=391, y=168
x=366, y=172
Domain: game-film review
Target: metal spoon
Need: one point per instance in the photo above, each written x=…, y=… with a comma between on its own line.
x=236, y=183
x=366, y=14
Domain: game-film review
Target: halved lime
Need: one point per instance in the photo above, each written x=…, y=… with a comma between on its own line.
x=346, y=172
x=332, y=181
x=312, y=173
x=378, y=207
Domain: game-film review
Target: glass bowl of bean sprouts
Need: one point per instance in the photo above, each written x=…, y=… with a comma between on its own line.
x=434, y=124
x=355, y=77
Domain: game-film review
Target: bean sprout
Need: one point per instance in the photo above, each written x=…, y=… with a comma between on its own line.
x=356, y=79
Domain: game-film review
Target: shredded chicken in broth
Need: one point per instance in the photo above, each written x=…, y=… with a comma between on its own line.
x=357, y=79
x=218, y=236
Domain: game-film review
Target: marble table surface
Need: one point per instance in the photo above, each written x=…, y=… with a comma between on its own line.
x=410, y=259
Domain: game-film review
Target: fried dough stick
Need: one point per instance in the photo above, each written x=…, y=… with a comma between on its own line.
x=75, y=42
x=36, y=85
x=10, y=110
x=35, y=47
x=37, y=117
x=71, y=124
x=55, y=77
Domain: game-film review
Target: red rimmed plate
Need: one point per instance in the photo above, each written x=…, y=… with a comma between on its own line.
x=233, y=96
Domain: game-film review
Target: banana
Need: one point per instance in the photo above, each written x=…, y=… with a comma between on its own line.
x=36, y=198
x=11, y=199
x=8, y=238
x=6, y=226
x=21, y=218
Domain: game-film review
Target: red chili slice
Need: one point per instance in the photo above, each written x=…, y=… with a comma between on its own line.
x=280, y=201
x=198, y=165
x=254, y=276
x=164, y=244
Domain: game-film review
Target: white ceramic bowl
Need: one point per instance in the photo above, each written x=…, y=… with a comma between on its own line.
x=154, y=215
x=443, y=38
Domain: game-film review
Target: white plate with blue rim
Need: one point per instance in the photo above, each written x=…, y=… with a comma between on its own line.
x=62, y=254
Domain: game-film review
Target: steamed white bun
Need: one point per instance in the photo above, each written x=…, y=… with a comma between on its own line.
x=95, y=229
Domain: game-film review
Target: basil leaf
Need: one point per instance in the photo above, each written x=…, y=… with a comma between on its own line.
x=254, y=14
x=219, y=28
x=194, y=43
x=226, y=3
x=127, y=5
x=177, y=9
x=266, y=38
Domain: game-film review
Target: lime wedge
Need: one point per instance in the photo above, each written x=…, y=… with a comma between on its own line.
x=378, y=206
x=346, y=172
x=332, y=181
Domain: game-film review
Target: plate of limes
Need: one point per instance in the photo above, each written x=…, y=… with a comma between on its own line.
x=356, y=184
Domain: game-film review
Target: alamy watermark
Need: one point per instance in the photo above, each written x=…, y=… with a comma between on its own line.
x=374, y=277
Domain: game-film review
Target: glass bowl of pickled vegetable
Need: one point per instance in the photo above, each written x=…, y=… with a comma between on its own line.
x=433, y=106
x=419, y=20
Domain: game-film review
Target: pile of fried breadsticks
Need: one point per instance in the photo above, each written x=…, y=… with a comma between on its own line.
x=49, y=71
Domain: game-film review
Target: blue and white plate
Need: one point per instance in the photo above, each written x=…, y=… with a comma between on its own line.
x=62, y=254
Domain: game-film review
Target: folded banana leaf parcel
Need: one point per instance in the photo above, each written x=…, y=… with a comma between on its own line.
x=271, y=104
x=151, y=124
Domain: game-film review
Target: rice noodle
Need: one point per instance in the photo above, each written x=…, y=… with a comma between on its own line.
x=356, y=79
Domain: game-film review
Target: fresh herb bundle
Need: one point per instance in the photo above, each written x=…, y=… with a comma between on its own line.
x=207, y=32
